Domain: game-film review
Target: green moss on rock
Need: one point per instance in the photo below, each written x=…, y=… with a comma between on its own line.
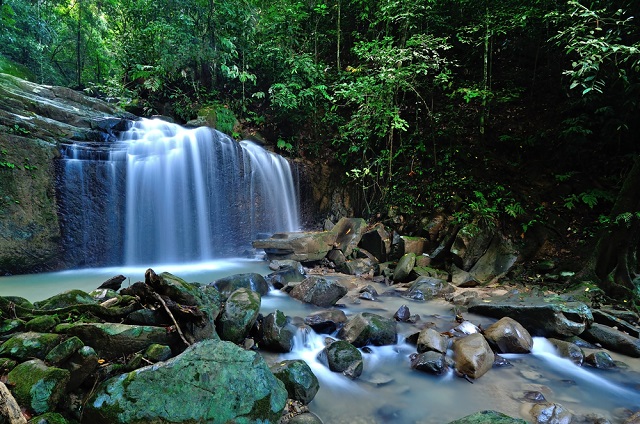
x=37, y=386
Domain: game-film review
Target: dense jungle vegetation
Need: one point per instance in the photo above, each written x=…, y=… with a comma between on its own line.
x=508, y=113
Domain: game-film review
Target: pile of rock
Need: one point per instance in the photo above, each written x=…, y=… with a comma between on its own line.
x=162, y=350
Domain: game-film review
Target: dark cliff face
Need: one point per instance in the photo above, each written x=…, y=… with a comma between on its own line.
x=34, y=120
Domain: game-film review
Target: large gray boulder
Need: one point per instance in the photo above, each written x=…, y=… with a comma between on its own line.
x=613, y=339
x=547, y=317
x=240, y=313
x=426, y=288
x=319, y=291
x=366, y=328
x=212, y=381
x=471, y=243
x=301, y=247
x=277, y=332
x=473, y=355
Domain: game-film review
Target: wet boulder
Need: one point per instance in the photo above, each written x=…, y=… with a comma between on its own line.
x=473, y=355
x=613, y=339
x=301, y=383
x=426, y=288
x=431, y=362
x=366, y=328
x=251, y=280
x=404, y=267
x=485, y=417
x=285, y=275
x=326, y=321
x=348, y=233
x=550, y=413
x=342, y=356
x=36, y=386
x=113, y=340
x=402, y=314
x=568, y=350
x=547, y=317
x=240, y=313
x=219, y=382
x=277, y=332
x=319, y=291
x=508, y=336
x=601, y=360
x=431, y=340
x=23, y=346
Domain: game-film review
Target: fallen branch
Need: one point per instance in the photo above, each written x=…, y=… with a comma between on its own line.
x=166, y=308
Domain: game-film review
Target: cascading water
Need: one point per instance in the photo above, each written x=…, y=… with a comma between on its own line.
x=169, y=194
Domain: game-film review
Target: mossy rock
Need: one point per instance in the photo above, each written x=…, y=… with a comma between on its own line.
x=48, y=418
x=36, y=386
x=301, y=383
x=42, y=323
x=488, y=417
x=342, y=356
x=7, y=364
x=29, y=345
x=218, y=382
x=369, y=329
x=65, y=299
x=64, y=350
x=157, y=353
x=10, y=326
x=239, y=315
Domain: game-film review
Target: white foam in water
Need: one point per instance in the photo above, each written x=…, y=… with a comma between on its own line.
x=306, y=346
x=545, y=350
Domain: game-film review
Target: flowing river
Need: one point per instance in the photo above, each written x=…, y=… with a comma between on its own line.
x=389, y=391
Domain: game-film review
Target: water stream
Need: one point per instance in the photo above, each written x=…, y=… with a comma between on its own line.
x=389, y=391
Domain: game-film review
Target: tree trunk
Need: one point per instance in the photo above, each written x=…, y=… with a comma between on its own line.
x=615, y=256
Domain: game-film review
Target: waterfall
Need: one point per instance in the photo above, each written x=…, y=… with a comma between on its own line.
x=166, y=194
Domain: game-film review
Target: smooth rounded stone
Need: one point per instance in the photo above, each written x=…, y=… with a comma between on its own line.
x=48, y=418
x=157, y=353
x=81, y=364
x=612, y=339
x=301, y=383
x=550, y=413
x=601, y=360
x=431, y=362
x=486, y=417
x=37, y=386
x=431, y=340
x=366, y=328
x=64, y=350
x=326, y=321
x=219, y=382
x=67, y=298
x=319, y=291
x=27, y=345
x=113, y=340
x=464, y=329
x=425, y=288
x=500, y=361
x=342, y=356
x=569, y=350
x=240, y=313
x=404, y=267
x=473, y=355
x=508, y=336
x=251, y=280
x=277, y=332
x=42, y=324
x=402, y=314
x=306, y=418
